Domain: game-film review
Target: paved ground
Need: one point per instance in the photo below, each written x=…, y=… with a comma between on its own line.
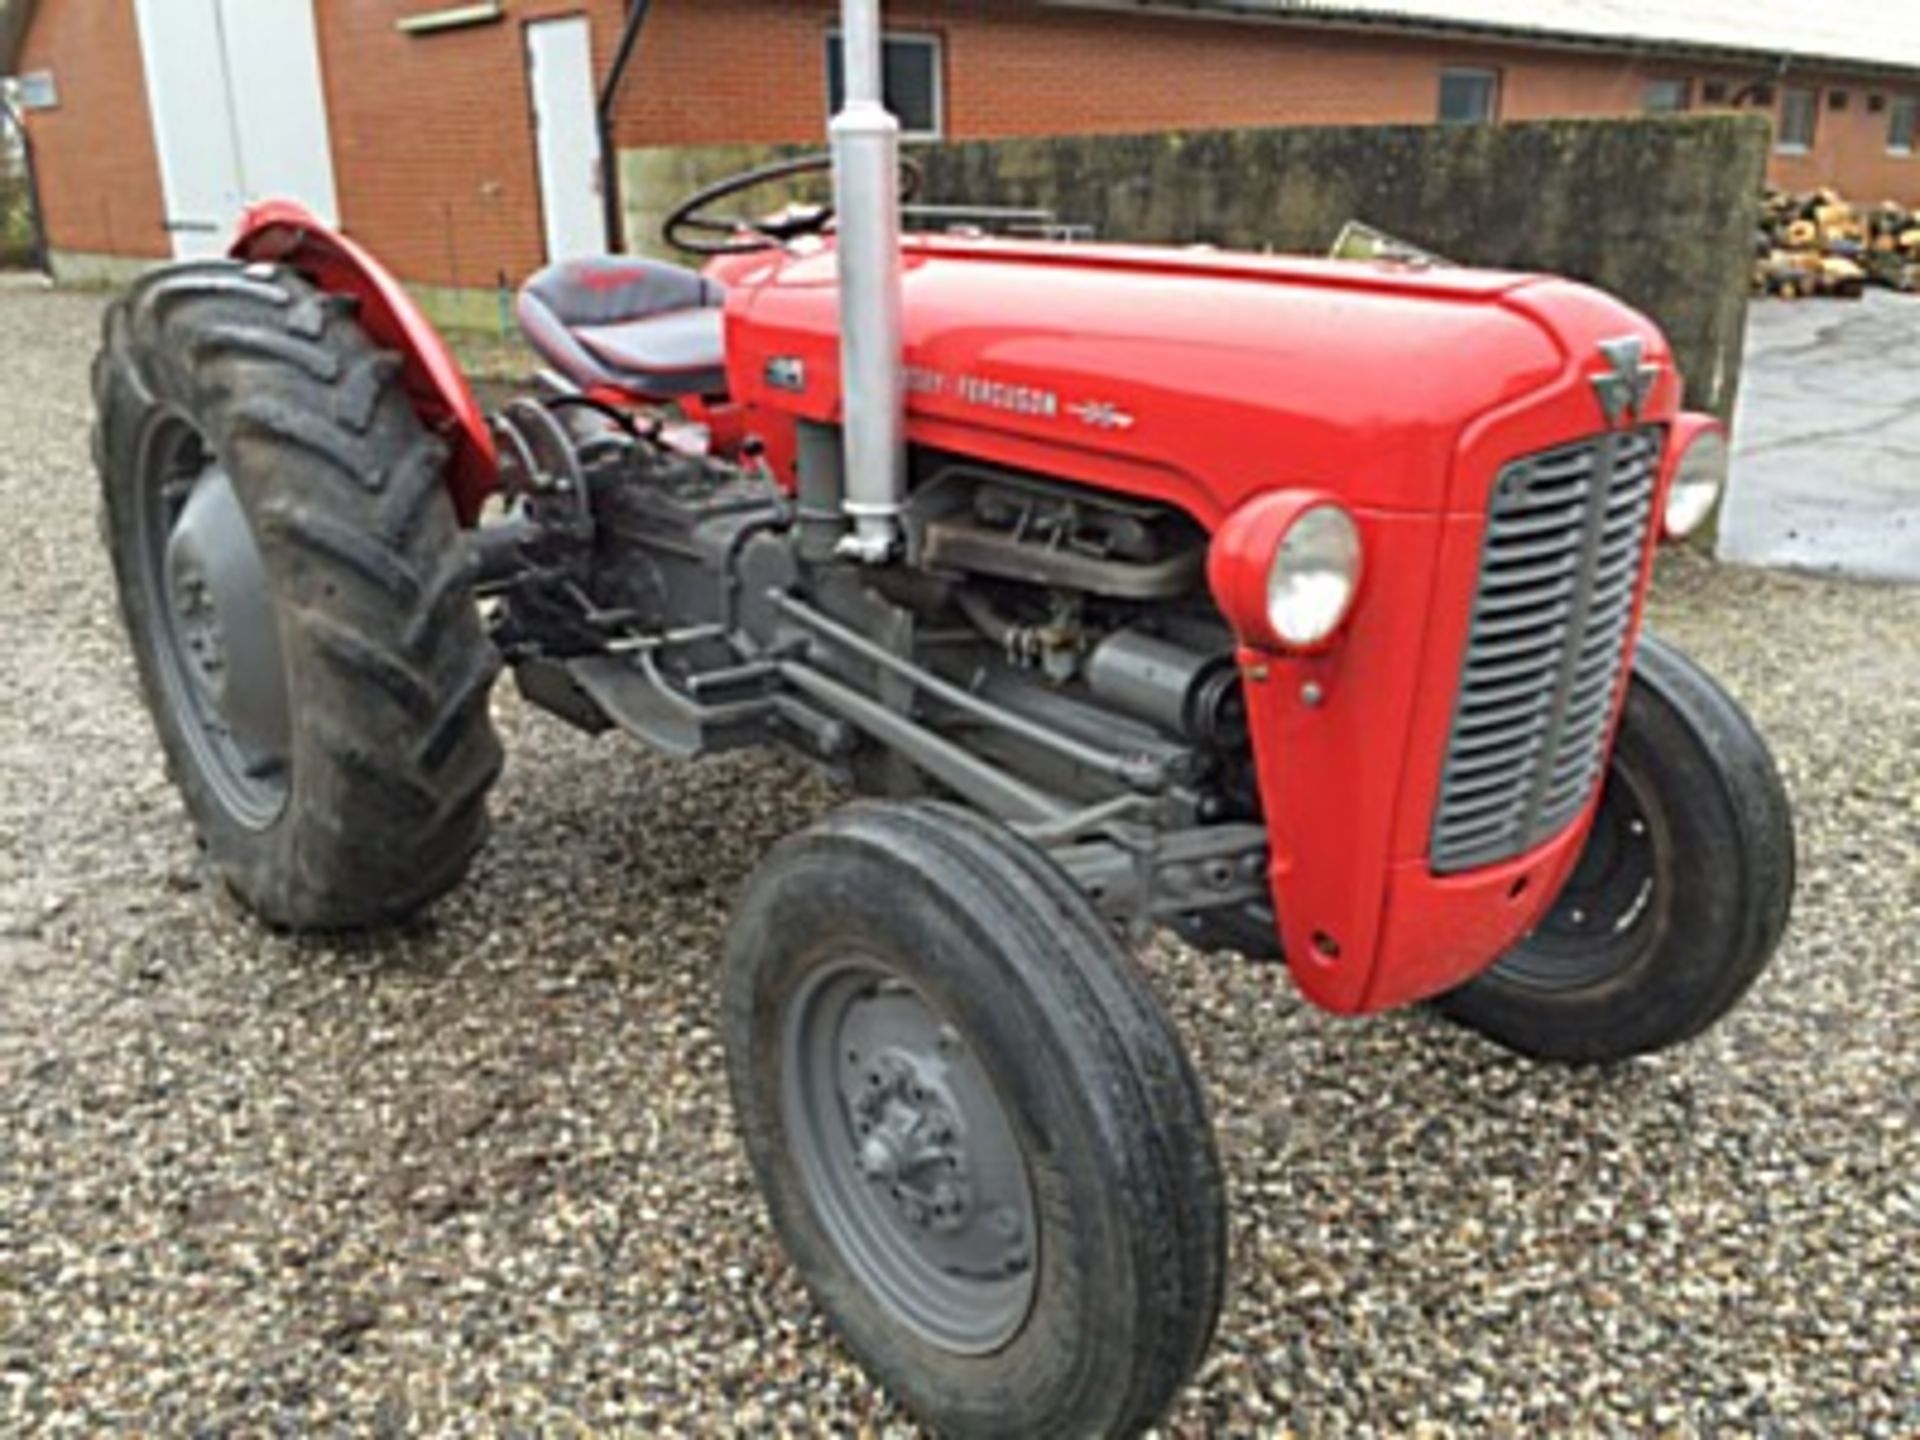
x=478, y=1177
x=1827, y=450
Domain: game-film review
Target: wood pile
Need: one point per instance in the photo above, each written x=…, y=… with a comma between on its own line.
x=1818, y=244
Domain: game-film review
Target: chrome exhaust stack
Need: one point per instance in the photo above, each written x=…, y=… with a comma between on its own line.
x=866, y=182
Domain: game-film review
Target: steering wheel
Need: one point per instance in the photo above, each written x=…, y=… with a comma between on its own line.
x=693, y=219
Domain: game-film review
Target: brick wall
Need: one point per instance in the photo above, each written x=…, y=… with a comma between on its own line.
x=1850, y=151
x=1013, y=69
x=98, y=170
x=433, y=147
x=433, y=144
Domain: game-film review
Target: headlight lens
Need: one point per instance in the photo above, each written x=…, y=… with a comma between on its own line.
x=1315, y=575
x=1698, y=483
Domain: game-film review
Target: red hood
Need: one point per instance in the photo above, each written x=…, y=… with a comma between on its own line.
x=1205, y=375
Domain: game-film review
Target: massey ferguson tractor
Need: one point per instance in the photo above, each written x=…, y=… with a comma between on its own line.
x=1291, y=606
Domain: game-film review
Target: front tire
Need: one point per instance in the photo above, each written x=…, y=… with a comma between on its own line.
x=1681, y=894
x=980, y=1139
x=297, y=592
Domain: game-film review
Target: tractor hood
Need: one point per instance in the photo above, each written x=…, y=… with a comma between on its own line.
x=1187, y=374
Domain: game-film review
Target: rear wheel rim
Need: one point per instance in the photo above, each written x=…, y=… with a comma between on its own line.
x=216, y=636
x=1609, y=915
x=908, y=1157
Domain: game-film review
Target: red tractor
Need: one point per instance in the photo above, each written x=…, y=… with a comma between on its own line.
x=1294, y=606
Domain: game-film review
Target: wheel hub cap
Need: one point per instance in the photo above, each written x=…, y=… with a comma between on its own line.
x=220, y=656
x=1602, y=920
x=910, y=1160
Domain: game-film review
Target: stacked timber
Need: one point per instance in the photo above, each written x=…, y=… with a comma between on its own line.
x=1819, y=244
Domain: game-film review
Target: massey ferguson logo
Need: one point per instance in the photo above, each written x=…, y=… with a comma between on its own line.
x=1014, y=399
x=1625, y=389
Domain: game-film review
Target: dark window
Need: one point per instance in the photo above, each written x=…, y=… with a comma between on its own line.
x=1761, y=95
x=1902, y=123
x=1668, y=97
x=1799, y=119
x=1714, y=92
x=911, y=81
x=1838, y=100
x=1876, y=104
x=1469, y=97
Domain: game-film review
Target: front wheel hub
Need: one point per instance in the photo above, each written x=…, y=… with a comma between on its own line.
x=910, y=1158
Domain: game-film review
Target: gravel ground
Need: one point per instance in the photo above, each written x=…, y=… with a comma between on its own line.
x=479, y=1176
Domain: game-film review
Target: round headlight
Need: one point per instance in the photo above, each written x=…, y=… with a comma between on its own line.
x=1698, y=482
x=1315, y=575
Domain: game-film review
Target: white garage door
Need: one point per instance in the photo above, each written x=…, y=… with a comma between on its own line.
x=238, y=112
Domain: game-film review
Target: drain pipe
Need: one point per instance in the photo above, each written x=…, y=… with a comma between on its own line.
x=604, y=115
x=866, y=182
x=37, y=217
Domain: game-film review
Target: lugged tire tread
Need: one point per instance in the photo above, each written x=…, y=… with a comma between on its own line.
x=392, y=668
x=460, y=699
x=270, y=418
x=449, y=586
x=363, y=388
x=414, y=481
x=342, y=544
x=363, y=659
x=249, y=341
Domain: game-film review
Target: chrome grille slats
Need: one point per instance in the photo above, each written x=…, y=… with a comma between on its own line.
x=1560, y=565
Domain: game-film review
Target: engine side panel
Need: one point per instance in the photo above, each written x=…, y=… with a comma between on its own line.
x=1200, y=380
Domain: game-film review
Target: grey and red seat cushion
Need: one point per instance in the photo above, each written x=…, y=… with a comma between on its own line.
x=640, y=326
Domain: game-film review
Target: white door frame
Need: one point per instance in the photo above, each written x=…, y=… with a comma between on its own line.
x=239, y=113
x=566, y=136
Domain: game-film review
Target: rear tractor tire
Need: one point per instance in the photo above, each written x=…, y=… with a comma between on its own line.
x=1682, y=891
x=979, y=1136
x=298, y=595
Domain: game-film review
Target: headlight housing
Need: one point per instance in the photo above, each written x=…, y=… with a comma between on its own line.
x=1699, y=480
x=1286, y=569
x=1315, y=576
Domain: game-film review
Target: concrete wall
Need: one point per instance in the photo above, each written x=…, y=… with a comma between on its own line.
x=1659, y=212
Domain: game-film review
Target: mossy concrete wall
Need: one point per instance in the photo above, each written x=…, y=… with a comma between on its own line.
x=1658, y=211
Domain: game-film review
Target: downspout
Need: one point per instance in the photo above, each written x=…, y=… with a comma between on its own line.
x=42, y=252
x=613, y=218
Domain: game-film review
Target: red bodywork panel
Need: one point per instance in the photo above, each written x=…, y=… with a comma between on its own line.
x=282, y=231
x=1209, y=381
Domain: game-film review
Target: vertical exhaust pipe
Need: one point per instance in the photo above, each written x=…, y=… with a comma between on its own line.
x=866, y=182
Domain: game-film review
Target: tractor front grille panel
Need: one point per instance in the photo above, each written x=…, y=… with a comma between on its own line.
x=1560, y=565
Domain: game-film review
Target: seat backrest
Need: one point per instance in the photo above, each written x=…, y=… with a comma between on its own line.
x=613, y=289
x=578, y=301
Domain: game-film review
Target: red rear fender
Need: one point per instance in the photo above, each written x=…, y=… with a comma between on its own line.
x=282, y=231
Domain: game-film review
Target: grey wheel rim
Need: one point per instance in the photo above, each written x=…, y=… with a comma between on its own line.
x=1609, y=913
x=908, y=1157
x=217, y=640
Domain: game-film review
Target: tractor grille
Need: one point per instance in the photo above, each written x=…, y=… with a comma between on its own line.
x=1566, y=534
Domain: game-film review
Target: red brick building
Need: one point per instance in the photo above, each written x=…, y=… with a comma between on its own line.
x=413, y=121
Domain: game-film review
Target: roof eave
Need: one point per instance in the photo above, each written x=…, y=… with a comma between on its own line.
x=1332, y=17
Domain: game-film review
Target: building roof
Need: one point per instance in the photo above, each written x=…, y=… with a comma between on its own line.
x=1879, y=37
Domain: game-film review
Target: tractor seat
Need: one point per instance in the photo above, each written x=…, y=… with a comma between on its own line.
x=643, y=327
